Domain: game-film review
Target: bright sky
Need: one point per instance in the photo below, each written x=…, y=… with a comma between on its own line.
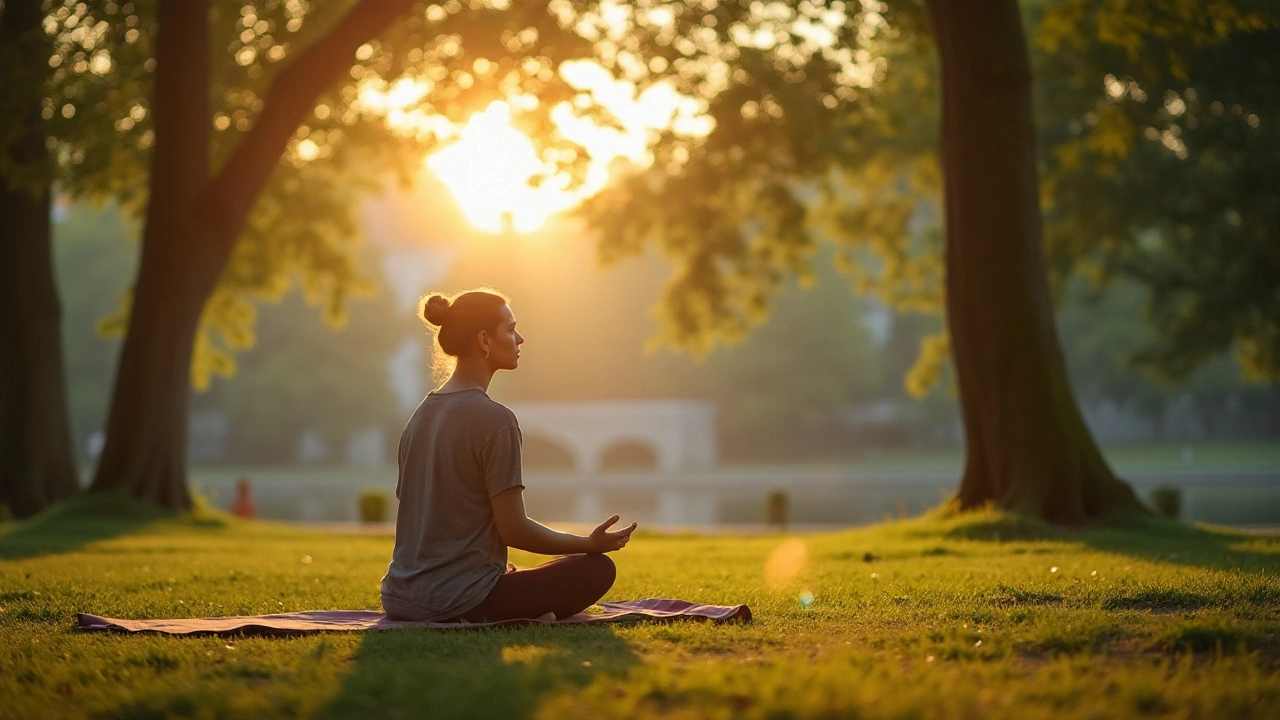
x=489, y=164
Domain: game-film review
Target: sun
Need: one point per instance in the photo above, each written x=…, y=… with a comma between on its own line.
x=488, y=170
x=488, y=166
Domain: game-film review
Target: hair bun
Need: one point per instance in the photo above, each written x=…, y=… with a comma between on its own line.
x=436, y=310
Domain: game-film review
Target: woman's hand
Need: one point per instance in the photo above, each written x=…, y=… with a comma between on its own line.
x=602, y=540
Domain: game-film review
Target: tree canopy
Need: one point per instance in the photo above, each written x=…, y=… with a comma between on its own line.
x=836, y=141
x=1158, y=148
x=392, y=105
x=825, y=117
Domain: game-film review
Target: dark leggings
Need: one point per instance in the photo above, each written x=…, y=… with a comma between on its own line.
x=565, y=586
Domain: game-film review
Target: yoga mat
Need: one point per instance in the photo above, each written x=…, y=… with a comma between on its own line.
x=311, y=621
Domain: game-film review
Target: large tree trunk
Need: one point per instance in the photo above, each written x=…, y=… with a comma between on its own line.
x=146, y=450
x=37, y=456
x=192, y=224
x=1027, y=446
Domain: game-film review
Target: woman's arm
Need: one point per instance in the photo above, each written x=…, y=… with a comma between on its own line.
x=518, y=531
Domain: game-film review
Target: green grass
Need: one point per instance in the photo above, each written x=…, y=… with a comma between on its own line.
x=959, y=617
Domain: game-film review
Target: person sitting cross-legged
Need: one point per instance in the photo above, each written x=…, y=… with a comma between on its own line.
x=461, y=492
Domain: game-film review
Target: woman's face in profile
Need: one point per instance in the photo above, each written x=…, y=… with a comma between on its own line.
x=504, y=347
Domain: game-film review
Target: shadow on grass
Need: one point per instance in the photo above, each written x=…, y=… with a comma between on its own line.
x=500, y=673
x=85, y=519
x=1148, y=538
x=483, y=673
x=1168, y=541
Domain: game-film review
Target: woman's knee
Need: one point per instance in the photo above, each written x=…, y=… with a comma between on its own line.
x=601, y=569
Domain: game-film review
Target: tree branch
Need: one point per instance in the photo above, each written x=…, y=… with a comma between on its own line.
x=180, y=157
x=293, y=91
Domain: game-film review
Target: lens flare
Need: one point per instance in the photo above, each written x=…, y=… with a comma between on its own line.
x=785, y=563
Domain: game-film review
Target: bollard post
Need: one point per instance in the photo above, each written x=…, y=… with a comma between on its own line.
x=776, y=509
x=1168, y=501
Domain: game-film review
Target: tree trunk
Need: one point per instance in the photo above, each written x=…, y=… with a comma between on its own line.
x=37, y=456
x=1027, y=446
x=146, y=450
x=193, y=221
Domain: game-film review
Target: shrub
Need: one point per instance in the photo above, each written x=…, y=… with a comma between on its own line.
x=373, y=506
x=1168, y=501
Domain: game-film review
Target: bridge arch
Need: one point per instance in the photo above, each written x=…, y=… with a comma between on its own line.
x=542, y=452
x=658, y=434
x=629, y=453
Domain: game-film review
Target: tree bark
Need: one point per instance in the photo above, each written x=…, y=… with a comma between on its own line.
x=193, y=221
x=1027, y=447
x=37, y=456
x=145, y=451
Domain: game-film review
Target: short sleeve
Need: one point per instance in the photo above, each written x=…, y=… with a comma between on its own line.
x=500, y=461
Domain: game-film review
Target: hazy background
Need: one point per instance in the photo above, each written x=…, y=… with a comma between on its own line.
x=819, y=384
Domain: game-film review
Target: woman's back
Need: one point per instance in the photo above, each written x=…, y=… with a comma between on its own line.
x=458, y=450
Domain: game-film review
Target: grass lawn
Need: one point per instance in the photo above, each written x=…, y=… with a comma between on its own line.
x=984, y=616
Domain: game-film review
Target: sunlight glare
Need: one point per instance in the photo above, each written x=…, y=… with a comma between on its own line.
x=488, y=171
x=488, y=166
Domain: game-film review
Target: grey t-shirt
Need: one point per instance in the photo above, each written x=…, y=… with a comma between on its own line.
x=458, y=450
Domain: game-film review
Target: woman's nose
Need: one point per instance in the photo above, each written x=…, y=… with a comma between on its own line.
x=519, y=339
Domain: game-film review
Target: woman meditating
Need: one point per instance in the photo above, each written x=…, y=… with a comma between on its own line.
x=462, y=496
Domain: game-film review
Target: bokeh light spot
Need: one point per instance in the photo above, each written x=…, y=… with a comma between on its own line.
x=785, y=563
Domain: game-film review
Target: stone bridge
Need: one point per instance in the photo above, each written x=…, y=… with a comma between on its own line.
x=676, y=434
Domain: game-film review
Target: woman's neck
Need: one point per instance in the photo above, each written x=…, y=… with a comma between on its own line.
x=468, y=375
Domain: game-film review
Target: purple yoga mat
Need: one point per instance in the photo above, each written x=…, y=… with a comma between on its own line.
x=311, y=621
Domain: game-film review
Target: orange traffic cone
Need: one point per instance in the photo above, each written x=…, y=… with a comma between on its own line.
x=243, y=506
